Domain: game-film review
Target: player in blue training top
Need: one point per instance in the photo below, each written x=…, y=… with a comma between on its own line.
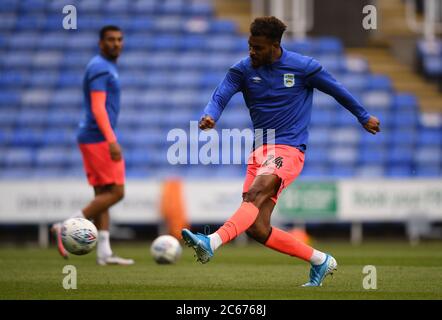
x=277, y=86
x=102, y=156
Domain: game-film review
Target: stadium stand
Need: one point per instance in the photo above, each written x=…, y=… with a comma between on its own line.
x=175, y=54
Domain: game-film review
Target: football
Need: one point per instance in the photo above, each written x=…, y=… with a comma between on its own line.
x=166, y=249
x=79, y=236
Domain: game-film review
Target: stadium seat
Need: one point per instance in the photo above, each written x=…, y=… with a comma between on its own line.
x=19, y=158
x=176, y=53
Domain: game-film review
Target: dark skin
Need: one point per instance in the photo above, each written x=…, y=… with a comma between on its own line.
x=265, y=51
x=107, y=195
x=110, y=48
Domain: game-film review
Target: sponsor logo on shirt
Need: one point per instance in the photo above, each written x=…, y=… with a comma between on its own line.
x=256, y=79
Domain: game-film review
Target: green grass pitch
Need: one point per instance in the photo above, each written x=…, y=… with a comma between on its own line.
x=236, y=272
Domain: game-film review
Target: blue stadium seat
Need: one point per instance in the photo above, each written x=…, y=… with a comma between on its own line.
x=428, y=155
x=27, y=138
x=82, y=41
x=223, y=27
x=9, y=5
x=198, y=9
x=60, y=137
x=428, y=171
x=399, y=171
x=19, y=158
x=13, y=79
x=328, y=45
x=315, y=171
x=403, y=137
x=323, y=100
x=70, y=79
x=56, y=6
x=86, y=6
x=334, y=64
x=429, y=137
x=304, y=46
x=372, y=156
x=322, y=118
x=33, y=5
x=370, y=170
x=356, y=65
x=345, y=119
x=345, y=136
x=115, y=6
x=171, y=7
x=32, y=119
x=67, y=97
x=317, y=156
x=175, y=54
x=52, y=157
x=403, y=101
x=342, y=171
x=345, y=156
x=319, y=136
x=379, y=82
x=46, y=79
x=405, y=119
x=401, y=155
x=375, y=100
x=143, y=6
x=53, y=41
x=32, y=22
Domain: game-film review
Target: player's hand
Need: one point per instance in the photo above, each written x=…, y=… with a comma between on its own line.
x=373, y=125
x=206, y=122
x=115, y=151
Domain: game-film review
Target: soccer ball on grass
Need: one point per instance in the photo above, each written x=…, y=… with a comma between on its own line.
x=166, y=249
x=79, y=236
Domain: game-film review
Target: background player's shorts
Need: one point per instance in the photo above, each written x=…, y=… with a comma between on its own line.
x=284, y=161
x=99, y=167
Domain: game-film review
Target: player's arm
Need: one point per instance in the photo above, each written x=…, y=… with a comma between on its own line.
x=98, y=105
x=320, y=79
x=223, y=93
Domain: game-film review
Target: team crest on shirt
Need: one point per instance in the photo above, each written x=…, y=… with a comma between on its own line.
x=289, y=80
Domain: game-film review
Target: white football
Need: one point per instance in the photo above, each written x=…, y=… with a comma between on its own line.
x=166, y=249
x=79, y=236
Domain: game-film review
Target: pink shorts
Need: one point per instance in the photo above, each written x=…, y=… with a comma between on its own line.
x=284, y=161
x=100, y=169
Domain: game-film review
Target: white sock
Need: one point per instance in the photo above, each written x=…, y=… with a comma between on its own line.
x=215, y=241
x=103, y=246
x=318, y=257
x=78, y=214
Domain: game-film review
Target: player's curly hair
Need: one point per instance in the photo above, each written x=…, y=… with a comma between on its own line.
x=270, y=27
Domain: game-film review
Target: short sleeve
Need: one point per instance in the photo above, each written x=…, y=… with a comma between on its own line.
x=98, y=80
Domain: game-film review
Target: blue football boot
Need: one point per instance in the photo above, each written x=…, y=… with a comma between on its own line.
x=200, y=243
x=319, y=272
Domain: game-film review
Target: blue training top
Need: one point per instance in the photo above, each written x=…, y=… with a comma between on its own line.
x=279, y=96
x=101, y=75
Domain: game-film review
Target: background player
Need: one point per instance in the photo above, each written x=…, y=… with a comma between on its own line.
x=277, y=86
x=102, y=155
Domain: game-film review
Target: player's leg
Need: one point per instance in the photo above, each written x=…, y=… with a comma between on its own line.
x=105, y=254
x=279, y=240
x=105, y=197
x=102, y=222
x=322, y=264
x=262, y=188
